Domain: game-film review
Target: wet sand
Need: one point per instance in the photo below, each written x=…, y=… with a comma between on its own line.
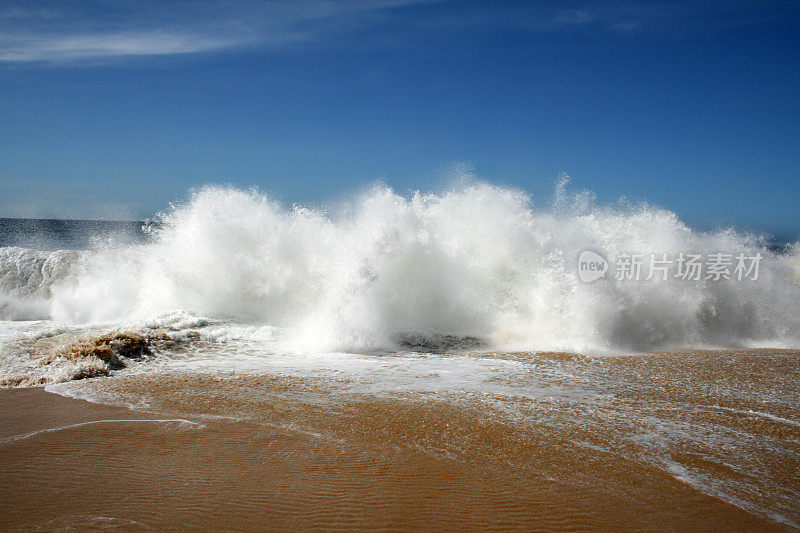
x=370, y=464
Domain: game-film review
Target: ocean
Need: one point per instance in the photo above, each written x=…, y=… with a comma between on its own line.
x=462, y=329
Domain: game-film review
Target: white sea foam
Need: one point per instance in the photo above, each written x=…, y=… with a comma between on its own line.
x=180, y=423
x=477, y=262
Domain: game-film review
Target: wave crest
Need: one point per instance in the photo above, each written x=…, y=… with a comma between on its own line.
x=476, y=262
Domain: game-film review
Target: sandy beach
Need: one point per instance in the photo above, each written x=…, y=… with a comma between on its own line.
x=70, y=464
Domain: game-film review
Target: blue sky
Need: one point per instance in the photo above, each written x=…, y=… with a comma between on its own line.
x=113, y=109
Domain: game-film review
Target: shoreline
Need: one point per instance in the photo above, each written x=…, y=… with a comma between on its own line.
x=104, y=466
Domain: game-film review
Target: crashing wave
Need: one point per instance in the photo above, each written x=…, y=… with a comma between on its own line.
x=26, y=278
x=477, y=265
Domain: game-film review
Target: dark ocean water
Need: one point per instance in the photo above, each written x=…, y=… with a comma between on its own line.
x=44, y=234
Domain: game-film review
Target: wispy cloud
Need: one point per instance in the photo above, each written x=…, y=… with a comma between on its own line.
x=59, y=31
x=653, y=17
x=34, y=47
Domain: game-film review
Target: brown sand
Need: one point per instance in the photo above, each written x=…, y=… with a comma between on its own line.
x=363, y=464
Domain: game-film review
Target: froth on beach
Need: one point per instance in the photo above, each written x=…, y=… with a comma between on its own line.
x=208, y=454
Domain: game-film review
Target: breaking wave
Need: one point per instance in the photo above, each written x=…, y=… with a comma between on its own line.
x=478, y=265
x=26, y=277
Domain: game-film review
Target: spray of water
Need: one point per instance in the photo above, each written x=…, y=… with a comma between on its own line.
x=475, y=262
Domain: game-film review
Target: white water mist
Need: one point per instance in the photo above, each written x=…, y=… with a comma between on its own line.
x=476, y=261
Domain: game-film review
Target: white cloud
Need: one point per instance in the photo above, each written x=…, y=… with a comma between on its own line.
x=56, y=31
x=97, y=30
x=70, y=47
